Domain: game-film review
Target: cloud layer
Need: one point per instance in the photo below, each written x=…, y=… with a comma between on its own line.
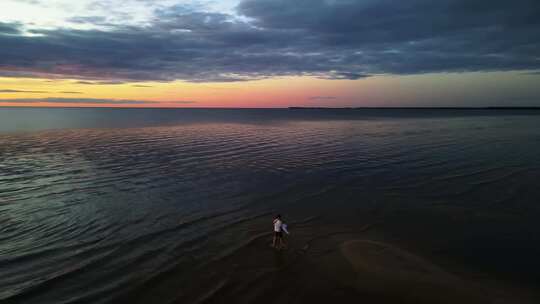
x=95, y=101
x=35, y=92
x=333, y=39
x=20, y=91
x=76, y=100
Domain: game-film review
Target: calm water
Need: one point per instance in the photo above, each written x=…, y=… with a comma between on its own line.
x=99, y=204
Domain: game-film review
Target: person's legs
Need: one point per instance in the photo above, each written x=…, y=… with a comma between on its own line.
x=280, y=240
x=274, y=240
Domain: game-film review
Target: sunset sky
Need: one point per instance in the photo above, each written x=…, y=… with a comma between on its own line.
x=269, y=53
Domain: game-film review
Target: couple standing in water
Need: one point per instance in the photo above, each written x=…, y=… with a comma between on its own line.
x=279, y=227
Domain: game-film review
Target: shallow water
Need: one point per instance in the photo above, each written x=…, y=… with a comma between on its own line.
x=96, y=204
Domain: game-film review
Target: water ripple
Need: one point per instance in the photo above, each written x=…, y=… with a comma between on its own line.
x=87, y=214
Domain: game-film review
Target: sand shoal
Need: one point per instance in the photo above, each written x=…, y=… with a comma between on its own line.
x=398, y=276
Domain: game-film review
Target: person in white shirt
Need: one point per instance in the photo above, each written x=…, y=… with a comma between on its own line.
x=279, y=228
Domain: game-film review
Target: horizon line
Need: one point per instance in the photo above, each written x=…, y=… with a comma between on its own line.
x=293, y=108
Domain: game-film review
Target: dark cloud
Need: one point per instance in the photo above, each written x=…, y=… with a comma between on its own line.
x=345, y=75
x=332, y=39
x=113, y=82
x=9, y=28
x=416, y=36
x=94, y=20
x=20, y=91
x=87, y=19
x=36, y=92
x=141, y=86
x=77, y=100
x=316, y=98
x=91, y=101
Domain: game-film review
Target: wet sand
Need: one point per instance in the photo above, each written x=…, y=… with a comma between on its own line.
x=322, y=265
x=395, y=275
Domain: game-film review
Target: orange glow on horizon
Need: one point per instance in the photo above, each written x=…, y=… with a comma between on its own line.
x=269, y=93
x=458, y=89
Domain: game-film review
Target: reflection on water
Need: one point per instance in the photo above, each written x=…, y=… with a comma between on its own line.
x=91, y=214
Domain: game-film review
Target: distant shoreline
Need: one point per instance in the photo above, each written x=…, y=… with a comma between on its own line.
x=414, y=108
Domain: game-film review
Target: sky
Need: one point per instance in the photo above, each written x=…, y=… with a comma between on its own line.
x=269, y=53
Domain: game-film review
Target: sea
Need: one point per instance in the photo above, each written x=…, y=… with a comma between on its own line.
x=101, y=205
